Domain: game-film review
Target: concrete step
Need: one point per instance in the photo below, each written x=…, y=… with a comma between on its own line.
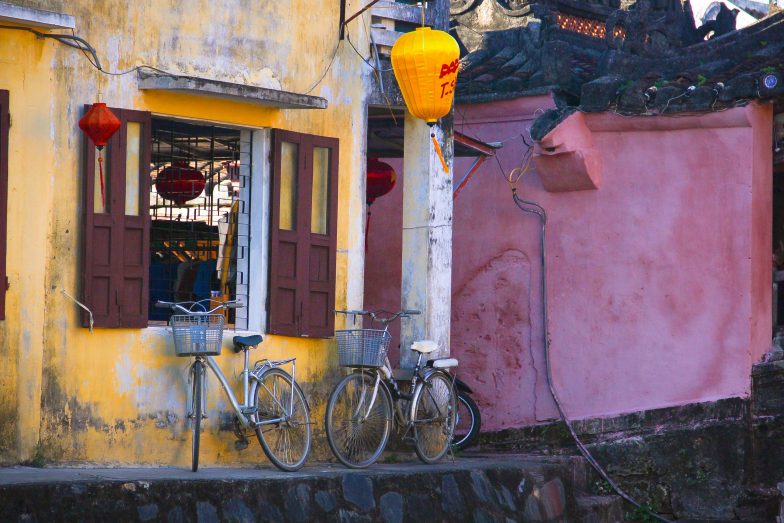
x=488, y=489
x=599, y=509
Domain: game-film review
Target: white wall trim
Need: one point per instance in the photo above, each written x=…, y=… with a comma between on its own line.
x=260, y=180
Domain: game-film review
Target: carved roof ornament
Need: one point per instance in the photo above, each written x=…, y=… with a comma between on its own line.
x=458, y=7
x=515, y=7
x=629, y=56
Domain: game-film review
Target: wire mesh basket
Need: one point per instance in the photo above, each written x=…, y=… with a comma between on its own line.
x=197, y=334
x=362, y=347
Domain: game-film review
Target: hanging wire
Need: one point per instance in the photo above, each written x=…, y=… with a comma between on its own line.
x=329, y=66
x=377, y=70
x=91, y=54
x=534, y=208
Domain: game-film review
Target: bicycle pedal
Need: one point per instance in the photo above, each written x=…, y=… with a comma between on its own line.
x=249, y=410
x=241, y=444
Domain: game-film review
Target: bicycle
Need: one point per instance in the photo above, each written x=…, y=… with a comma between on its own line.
x=273, y=404
x=360, y=411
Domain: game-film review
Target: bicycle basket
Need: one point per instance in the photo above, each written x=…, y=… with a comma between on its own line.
x=197, y=334
x=362, y=347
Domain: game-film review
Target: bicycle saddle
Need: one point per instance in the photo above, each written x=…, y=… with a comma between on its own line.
x=424, y=346
x=243, y=342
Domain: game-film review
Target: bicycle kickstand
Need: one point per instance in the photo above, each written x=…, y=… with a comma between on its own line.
x=242, y=439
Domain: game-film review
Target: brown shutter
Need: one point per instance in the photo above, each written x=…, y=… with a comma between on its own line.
x=5, y=123
x=318, y=319
x=302, y=264
x=116, y=246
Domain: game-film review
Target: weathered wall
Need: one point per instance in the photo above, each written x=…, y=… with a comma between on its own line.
x=659, y=291
x=119, y=395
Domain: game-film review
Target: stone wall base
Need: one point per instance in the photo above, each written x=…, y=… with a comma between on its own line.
x=715, y=460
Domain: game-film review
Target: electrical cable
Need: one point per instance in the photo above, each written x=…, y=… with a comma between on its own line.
x=329, y=66
x=348, y=39
x=535, y=208
x=84, y=46
x=69, y=40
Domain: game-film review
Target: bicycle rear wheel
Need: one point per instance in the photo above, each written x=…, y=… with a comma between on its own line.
x=434, y=408
x=196, y=412
x=286, y=442
x=468, y=423
x=358, y=426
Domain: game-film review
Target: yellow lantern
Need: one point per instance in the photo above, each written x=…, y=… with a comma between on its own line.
x=425, y=62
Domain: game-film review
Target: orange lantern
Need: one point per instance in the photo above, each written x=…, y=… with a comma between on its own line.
x=425, y=62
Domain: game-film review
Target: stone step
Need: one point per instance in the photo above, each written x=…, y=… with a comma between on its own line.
x=599, y=509
x=490, y=488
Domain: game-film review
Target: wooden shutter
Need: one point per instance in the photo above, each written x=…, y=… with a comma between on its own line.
x=302, y=262
x=116, y=239
x=5, y=123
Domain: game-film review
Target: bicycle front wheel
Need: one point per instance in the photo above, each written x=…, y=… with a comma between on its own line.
x=196, y=412
x=358, y=420
x=285, y=431
x=434, y=411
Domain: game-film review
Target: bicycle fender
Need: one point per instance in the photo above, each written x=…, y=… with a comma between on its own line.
x=429, y=371
x=461, y=386
x=426, y=373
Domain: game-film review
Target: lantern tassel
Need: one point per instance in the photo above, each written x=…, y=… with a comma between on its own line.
x=438, y=152
x=367, y=230
x=100, y=169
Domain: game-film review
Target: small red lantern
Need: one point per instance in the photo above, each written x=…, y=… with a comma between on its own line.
x=180, y=182
x=99, y=124
x=381, y=179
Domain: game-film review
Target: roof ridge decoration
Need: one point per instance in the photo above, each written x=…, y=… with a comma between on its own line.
x=649, y=59
x=508, y=7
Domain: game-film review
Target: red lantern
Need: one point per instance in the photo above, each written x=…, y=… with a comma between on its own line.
x=381, y=179
x=180, y=182
x=99, y=124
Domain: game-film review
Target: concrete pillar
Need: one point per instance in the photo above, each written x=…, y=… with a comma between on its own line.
x=427, y=237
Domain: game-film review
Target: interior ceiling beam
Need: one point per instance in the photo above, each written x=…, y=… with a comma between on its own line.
x=486, y=149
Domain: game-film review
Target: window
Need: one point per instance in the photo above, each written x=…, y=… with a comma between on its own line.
x=303, y=234
x=198, y=211
x=5, y=123
x=173, y=223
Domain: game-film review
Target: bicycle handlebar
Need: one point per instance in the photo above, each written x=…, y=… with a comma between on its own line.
x=188, y=306
x=374, y=315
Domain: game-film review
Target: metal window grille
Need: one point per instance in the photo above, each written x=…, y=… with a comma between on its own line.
x=198, y=237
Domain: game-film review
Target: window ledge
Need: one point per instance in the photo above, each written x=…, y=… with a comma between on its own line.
x=227, y=90
x=29, y=17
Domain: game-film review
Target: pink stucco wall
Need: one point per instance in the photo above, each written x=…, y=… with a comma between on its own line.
x=659, y=280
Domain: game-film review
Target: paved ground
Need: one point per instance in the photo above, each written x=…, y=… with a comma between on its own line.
x=479, y=488
x=27, y=475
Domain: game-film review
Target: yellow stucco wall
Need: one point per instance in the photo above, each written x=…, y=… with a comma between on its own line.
x=118, y=396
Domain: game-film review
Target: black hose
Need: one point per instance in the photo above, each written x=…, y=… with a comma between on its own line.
x=535, y=208
x=70, y=40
